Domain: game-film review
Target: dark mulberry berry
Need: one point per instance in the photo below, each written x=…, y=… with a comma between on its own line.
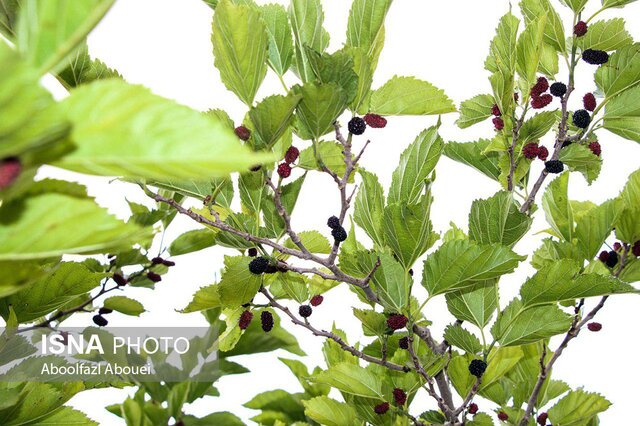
x=382, y=408
x=477, y=367
x=100, y=321
x=157, y=260
x=516, y=97
x=399, y=396
x=168, y=263
x=636, y=249
x=284, y=170
x=473, y=408
x=542, y=419
x=594, y=326
x=566, y=144
x=579, y=30
x=595, y=57
x=156, y=278
x=258, y=265
x=581, y=118
x=595, y=148
x=397, y=321
x=245, y=320
x=503, y=416
x=271, y=269
x=119, y=280
x=243, y=133
x=356, y=126
x=105, y=311
x=403, y=343
x=540, y=87
x=10, y=169
x=339, y=234
x=266, y=319
x=554, y=166
x=543, y=153
x=256, y=168
x=333, y=222
x=558, y=89
x=612, y=260
x=617, y=246
x=316, y=300
x=498, y=123
x=292, y=154
x=252, y=252
x=376, y=121
x=539, y=102
x=530, y=151
x=589, y=102
x=495, y=110
x=305, y=311
x=603, y=256
x=411, y=272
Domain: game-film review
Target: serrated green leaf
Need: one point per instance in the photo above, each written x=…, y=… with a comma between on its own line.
x=577, y=407
x=622, y=114
x=409, y=96
x=549, y=63
x=497, y=220
x=272, y=116
x=306, y=20
x=329, y=152
x=554, y=31
x=314, y=241
x=237, y=285
x=369, y=207
x=460, y=264
x=352, y=379
x=335, y=68
x=576, y=5
x=471, y=154
x=319, y=108
x=593, y=228
x=65, y=416
x=529, y=50
x=276, y=21
x=475, y=304
x=392, y=283
x=463, y=339
x=373, y=323
x=416, y=164
x=192, y=241
x=475, y=110
x=621, y=72
x=502, y=55
x=366, y=24
x=82, y=69
x=240, y=47
x=579, y=158
x=537, y=126
x=124, y=305
x=203, y=299
x=125, y=130
x=616, y=3
x=606, y=35
x=327, y=411
x=557, y=208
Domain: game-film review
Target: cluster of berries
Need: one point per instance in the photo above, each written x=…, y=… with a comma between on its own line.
x=532, y=150
x=399, y=397
x=357, y=125
x=337, y=230
x=155, y=277
x=10, y=169
x=498, y=122
x=99, y=319
x=266, y=320
x=590, y=56
x=539, y=97
x=284, y=168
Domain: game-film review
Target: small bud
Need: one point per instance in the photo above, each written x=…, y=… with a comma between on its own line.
x=473, y=408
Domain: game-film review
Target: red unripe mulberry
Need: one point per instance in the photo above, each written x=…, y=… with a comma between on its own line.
x=542, y=419
x=245, y=320
x=284, y=170
x=473, y=408
x=541, y=101
x=594, y=326
x=243, y=133
x=495, y=110
x=10, y=169
x=397, y=321
x=382, y=408
x=291, y=154
x=503, y=416
x=530, y=151
x=375, y=121
x=543, y=153
x=399, y=396
x=595, y=148
x=589, y=102
x=541, y=86
x=316, y=300
x=580, y=29
x=498, y=123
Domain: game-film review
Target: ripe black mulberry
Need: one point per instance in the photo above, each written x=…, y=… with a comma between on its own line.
x=612, y=259
x=558, y=89
x=156, y=278
x=333, y=222
x=399, y=396
x=266, y=319
x=258, y=265
x=119, y=280
x=403, y=343
x=356, y=126
x=305, y=311
x=105, y=311
x=477, y=367
x=581, y=118
x=339, y=234
x=595, y=57
x=381, y=408
x=252, y=252
x=554, y=166
x=473, y=408
x=100, y=321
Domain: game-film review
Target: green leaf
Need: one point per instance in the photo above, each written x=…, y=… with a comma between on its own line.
x=529, y=50
x=519, y=326
x=237, y=285
x=65, y=416
x=366, y=24
x=409, y=96
x=327, y=411
x=124, y=130
x=537, y=126
x=408, y=231
x=373, y=323
x=551, y=251
x=577, y=407
x=497, y=220
x=82, y=69
x=462, y=263
x=502, y=56
x=472, y=154
x=391, y=283
x=272, y=116
x=306, y=20
x=314, y=241
x=252, y=190
x=606, y=35
x=293, y=285
x=124, y=305
x=9, y=17
x=616, y=3
x=192, y=241
x=554, y=31
x=335, y=68
x=552, y=283
x=278, y=401
x=593, y=228
x=576, y=5
x=579, y=158
x=549, y=64
x=276, y=21
x=64, y=283
x=319, y=108
x=49, y=30
x=352, y=379
x=622, y=114
x=31, y=119
x=369, y=207
x=205, y=298
x=475, y=304
x=329, y=152
x=621, y=72
x=240, y=46
x=465, y=340
x=475, y=110
x=416, y=164
x=557, y=208
x=51, y=224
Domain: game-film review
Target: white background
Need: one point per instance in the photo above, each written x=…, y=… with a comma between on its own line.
x=165, y=45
